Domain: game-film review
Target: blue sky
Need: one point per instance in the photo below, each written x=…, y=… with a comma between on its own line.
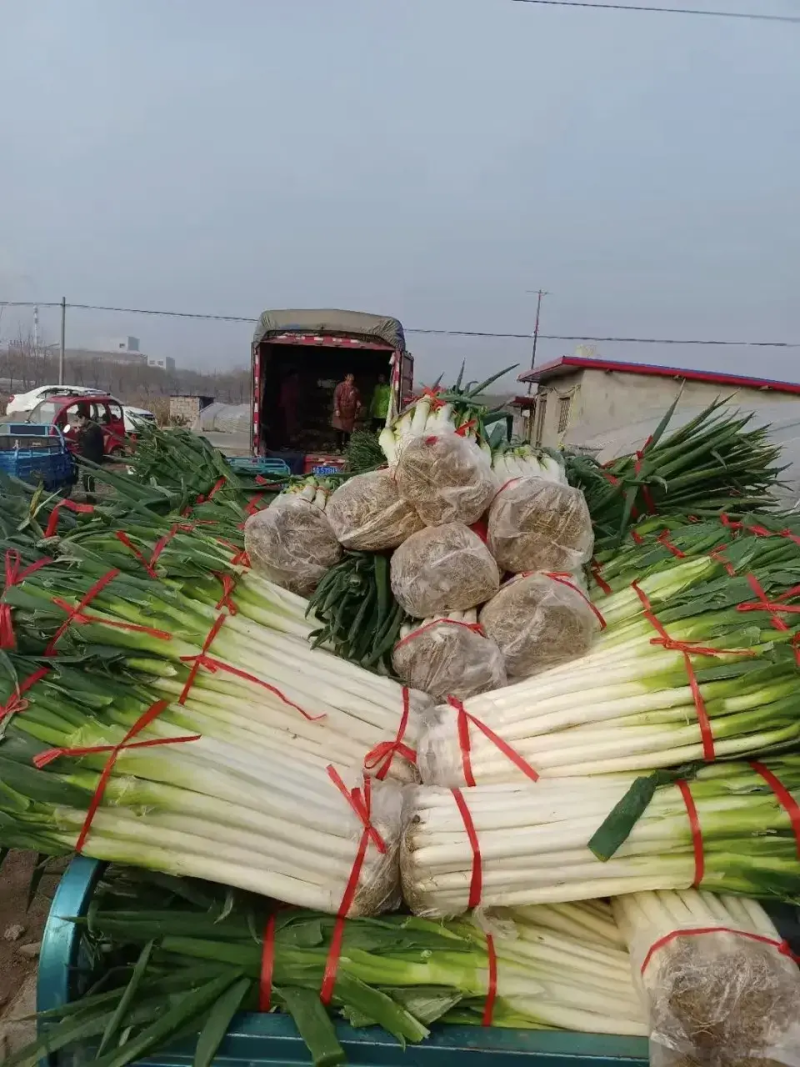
x=431, y=159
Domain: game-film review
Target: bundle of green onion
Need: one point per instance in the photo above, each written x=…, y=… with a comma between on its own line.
x=88, y=763
x=720, y=982
x=236, y=658
x=184, y=958
x=360, y=617
x=713, y=463
x=697, y=661
x=726, y=830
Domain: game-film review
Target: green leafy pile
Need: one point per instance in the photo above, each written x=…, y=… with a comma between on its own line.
x=713, y=463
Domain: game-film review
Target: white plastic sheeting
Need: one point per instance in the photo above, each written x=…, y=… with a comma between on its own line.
x=224, y=418
x=608, y=442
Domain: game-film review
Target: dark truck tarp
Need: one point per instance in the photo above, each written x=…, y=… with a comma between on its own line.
x=348, y=323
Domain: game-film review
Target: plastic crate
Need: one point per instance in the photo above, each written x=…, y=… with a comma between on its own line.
x=272, y=1039
x=259, y=465
x=36, y=453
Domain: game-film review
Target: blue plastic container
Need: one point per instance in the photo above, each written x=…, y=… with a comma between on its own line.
x=254, y=1039
x=259, y=465
x=36, y=453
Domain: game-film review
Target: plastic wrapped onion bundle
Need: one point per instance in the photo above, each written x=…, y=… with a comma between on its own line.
x=540, y=525
x=443, y=568
x=446, y=478
x=367, y=514
x=449, y=656
x=714, y=972
x=291, y=543
x=539, y=620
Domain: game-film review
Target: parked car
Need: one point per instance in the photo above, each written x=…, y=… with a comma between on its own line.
x=135, y=417
x=61, y=411
x=22, y=402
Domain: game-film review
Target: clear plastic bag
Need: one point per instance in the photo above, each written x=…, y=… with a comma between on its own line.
x=443, y=568
x=539, y=621
x=291, y=543
x=539, y=525
x=445, y=478
x=367, y=514
x=719, y=990
x=449, y=656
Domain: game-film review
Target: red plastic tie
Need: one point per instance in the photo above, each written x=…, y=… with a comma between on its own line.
x=145, y=562
x=462, y=724
x=718, y=555
x=784, y=798
x=504, y=486
x=202, y=659
x=782, y=946
x=335, y=951
x=567, y=580
x=688, y=649
x=385, y=752
x=353, y=798
x=213, y=665
x=637, y=537
x=240, y=557
x=491, y=992
x=697, y=833
x=475, y=627
x=215, y=489
x=596, y=569
x=226, y=600
x=15, y=573
x=465, y=426
x=127, y=742
x=16, y=702
x=78, y=616
x=663, y=539
x=267, y=966
x=476, y=880
x=765, y=604
x=70, y=505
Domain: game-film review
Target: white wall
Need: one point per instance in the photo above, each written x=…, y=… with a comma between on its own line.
x=601, y=401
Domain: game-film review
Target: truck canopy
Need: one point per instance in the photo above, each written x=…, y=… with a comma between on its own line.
x=356, y=324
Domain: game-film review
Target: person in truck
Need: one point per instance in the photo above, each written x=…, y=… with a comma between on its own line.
x=379, y=408
x=346, y=408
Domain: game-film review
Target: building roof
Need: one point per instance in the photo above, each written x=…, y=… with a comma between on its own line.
x=569, y=364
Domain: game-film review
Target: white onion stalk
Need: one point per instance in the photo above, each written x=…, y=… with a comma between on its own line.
x=628, y=704
x=733, y=990
x=534, y=840
x=263, y=676
x=238, y=813
x=565, y=969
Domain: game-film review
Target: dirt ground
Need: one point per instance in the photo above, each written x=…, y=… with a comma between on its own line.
x=16, y=967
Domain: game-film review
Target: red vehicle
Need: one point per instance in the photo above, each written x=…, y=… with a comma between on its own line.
x=61, y=411
x=315, y=350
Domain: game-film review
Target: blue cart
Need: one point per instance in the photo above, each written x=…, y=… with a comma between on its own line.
x=254, y=1040
x=36, y=453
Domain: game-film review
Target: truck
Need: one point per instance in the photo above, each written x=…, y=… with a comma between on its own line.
x=316, y=349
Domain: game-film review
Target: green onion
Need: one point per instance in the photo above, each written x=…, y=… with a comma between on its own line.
x=534, y=840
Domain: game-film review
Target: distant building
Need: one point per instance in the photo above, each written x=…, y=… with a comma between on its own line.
x=596, y=393
x=165, y=363
x=109, y=355
x=125, y=344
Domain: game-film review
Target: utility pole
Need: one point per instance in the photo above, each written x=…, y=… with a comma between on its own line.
x=539, y=294
x=61, y=353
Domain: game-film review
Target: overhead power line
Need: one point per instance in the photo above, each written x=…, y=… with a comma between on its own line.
x=748, y=15
x=418, y=329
